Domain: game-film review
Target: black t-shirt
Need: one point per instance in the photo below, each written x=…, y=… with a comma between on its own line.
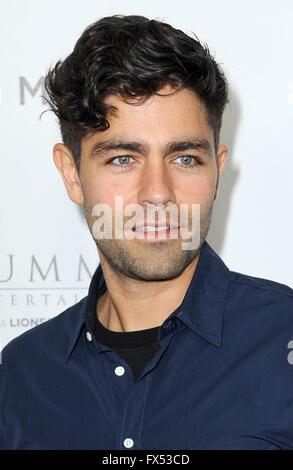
x=135, y=347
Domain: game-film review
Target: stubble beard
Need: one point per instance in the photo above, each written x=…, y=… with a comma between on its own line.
x=150, y=261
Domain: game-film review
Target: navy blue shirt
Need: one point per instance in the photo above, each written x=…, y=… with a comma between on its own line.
x=222, y=377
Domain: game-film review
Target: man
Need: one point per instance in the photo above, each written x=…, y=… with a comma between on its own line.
x=170, y=349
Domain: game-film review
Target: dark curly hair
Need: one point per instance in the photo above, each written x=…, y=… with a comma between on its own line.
x=131, y=56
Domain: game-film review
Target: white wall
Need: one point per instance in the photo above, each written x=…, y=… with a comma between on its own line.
x=252, y=225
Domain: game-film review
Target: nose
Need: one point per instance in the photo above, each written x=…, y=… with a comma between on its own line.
x=155, y=185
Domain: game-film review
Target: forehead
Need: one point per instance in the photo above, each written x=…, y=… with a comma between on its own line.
x=169, y=111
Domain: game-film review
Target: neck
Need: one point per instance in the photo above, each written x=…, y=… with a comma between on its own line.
x=130, y=304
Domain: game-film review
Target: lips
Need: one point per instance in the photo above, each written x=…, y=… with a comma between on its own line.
x=154, y=228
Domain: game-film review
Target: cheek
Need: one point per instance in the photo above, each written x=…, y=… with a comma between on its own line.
x=198, y=190
x=100, y=190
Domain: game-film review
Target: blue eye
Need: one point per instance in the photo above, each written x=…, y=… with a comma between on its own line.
x=124, y=160
x=189, y=161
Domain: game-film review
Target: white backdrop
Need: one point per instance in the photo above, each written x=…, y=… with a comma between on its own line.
x=47, y=255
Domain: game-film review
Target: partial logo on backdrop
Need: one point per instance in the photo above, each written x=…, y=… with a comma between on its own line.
x=32, y=290
x=28, y=89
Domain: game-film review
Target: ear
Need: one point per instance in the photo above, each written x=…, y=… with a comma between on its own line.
x=66, y=166
x=221, y=158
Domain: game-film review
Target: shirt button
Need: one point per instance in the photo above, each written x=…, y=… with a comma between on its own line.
x=119, y=370
x=128, y=442
x=89, y=336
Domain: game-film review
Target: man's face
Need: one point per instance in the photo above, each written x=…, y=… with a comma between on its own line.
x=151, y=176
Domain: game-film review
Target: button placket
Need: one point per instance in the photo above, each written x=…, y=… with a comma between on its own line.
x=133, y=415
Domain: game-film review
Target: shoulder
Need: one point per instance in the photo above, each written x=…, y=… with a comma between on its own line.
x=263, y=308
x=47, y=339
x=251, y=290
x=258, y=284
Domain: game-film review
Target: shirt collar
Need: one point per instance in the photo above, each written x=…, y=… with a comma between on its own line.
x=84, y=317
x=202, y=308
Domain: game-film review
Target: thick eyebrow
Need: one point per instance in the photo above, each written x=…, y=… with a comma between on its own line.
x=172, y=146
